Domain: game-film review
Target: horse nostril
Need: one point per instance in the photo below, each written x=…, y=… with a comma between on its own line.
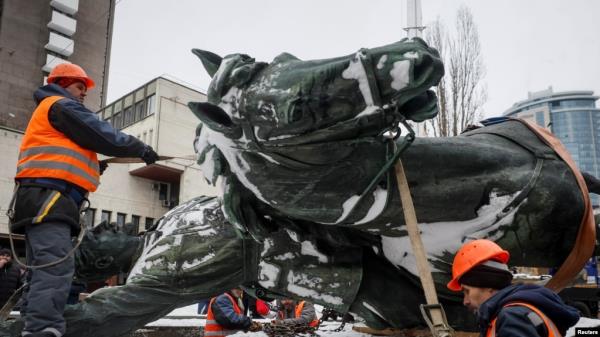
x=421, y=67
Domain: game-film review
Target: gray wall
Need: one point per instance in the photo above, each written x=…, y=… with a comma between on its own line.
x=23, y=35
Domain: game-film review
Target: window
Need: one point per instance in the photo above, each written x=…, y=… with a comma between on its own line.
x=107, y=112
x=128, y=118
x=105, y=216
x=121, y=219
x=149, y=223
x=150, y=105
x=539, y=118
x=118, y=120
x=135, y=219
x=163, y=191
x=88, y=218
x=139, y=110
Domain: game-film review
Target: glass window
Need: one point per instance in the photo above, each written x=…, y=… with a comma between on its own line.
x=107, y=112
x=149, y=223
x=88, y=218
x=128, y=118
x=163, y=191
x=576, y=103
x=135, y=219
x=121, y=219
x=150, y=104
x=139, y=110
x=539, y=118
x=118, y=120
x=105, y=216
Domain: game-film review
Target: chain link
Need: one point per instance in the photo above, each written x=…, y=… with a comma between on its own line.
x=288, y=330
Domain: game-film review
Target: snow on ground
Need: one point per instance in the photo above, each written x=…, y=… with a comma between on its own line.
x=583, y=323
x=188, y=317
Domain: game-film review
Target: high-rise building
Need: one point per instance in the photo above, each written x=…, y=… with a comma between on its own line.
x=37, y=35
x=573, y=117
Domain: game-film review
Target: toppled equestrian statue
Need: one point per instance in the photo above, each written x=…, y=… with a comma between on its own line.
x=295, y=146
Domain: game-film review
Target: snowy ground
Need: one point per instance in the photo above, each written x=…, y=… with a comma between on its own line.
x=187, y=317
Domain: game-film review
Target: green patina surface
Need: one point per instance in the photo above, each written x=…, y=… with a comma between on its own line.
x=294, y=144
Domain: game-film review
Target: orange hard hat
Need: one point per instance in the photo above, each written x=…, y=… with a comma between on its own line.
x=472, y=254
x=70, y=70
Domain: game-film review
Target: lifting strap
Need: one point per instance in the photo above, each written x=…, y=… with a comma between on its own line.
x=432, y=312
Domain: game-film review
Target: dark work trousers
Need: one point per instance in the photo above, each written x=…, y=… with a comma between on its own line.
x=48, y=289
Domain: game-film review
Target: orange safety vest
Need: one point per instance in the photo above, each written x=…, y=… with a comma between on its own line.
x=47, y=153
x=299, y=308
x=212, y=328
x=550, y=327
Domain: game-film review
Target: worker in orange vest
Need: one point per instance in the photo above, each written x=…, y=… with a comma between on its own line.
x=291, y=312
x=226, y=315
x=480, y=271
x=56, y=169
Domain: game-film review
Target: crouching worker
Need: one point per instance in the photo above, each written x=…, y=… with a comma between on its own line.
x=57, y=168
x=296, y=313
x=480, y=271
x=226, y=315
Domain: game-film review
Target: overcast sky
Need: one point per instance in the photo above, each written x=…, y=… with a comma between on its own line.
x=527, y=45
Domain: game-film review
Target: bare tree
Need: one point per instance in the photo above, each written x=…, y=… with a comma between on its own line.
x=461, y=91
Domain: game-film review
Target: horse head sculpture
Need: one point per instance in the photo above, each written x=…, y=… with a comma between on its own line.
x=290, y=129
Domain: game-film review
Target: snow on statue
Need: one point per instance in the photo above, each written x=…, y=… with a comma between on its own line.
x=297, y=147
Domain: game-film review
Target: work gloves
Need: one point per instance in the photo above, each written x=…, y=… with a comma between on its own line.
x=255, y=326
x=149, y=156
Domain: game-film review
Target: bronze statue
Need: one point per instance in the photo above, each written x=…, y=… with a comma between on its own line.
x=298, y=147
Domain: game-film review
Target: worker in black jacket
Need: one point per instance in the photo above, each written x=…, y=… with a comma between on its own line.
x=57, y=168
x=10, y=276
x=503, y=309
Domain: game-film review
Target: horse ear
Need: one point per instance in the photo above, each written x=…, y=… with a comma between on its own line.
x=216, y=119
x=211, y=61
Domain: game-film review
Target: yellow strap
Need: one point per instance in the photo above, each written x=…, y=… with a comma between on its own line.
x=49, y=205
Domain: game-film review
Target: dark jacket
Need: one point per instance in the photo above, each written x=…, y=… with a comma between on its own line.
x=82, y=126
x=10, y=280
x=514, y=321
x=222, y=309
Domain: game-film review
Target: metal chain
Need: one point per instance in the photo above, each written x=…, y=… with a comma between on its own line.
x=288, y=330
x=328, y=313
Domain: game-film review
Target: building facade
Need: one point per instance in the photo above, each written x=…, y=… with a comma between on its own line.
x=573, y=117
x=37, y=35
x=156, y=113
